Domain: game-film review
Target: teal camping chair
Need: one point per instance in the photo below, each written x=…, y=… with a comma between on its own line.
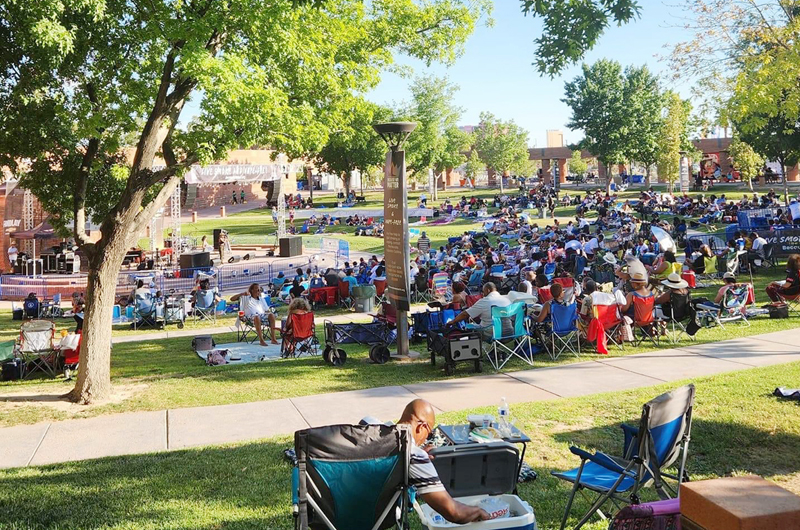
x=205, y=306
x=510, y=337
x=351, y=477
x=661, y=439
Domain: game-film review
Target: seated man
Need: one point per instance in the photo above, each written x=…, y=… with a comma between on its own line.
x=482, y=310
x=421, y=418
x=255, y=308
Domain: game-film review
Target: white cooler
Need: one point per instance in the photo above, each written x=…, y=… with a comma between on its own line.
x=472, y=473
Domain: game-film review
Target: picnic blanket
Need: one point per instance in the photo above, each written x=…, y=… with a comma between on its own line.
x=243, y=352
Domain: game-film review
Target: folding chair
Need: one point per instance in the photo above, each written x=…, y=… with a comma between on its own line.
x=568, y=285
x=549, y=271
x=351, y=477
x=380, y=288
x=733, y=308
x=442, y=288
x=563, y=319
x=35, y=347
x=475, y=283
x=421, y=291
x=644, y=320
x=31, y=307
x=245, y=325
x=303, y=337
x=661, y=440
x=793, y=303
x=609, y=317
x=769, y=256
x=205, y=306
x=345, y=300
x=510, y=337
x=145, y=312
x=709, y=275
x=680, y=310
x=52, y=308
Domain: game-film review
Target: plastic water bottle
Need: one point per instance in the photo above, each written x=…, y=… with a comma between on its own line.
x=503, y=412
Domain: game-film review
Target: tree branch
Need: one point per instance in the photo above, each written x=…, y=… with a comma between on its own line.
x=147, y=213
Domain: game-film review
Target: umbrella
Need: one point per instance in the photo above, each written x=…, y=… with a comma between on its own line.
x=665, y=240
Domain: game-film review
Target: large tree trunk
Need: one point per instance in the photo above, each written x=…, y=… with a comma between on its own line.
x=500, y=176
x=646, y=177
x=346, y=180
x=94, y=373
x=608, y=177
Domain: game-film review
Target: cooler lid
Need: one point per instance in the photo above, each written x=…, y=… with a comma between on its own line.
x=477, y=469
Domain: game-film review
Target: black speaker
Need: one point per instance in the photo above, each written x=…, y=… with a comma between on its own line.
x=195, y=260
x=291, y=246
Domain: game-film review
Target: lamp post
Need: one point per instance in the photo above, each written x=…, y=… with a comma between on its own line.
x=395, y=231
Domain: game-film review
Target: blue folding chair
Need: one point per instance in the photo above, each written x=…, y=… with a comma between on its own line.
x=661, y=440
x=205, y=306
x=563, y=319
x=550, y=271
x=497, y=270
x=351, y=477
x=510, y=337
x=145, y=312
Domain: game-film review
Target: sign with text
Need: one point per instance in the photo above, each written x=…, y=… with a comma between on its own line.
x=684, y=174
x=786, y=241
x=395, y=231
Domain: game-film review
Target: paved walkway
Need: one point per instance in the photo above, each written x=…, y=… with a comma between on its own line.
x=143, y=432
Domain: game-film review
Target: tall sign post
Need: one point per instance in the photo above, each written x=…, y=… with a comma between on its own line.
x=395, y=230
x=684, y=173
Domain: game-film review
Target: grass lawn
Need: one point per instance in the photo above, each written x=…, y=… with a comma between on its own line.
x=739, y=428
x=167, y=373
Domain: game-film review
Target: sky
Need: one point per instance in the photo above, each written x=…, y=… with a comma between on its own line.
x=496, y=74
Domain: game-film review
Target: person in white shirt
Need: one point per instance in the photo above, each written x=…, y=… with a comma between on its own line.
x=756, y=252
x=481, y=310
x=13, y=253
x=254, y=305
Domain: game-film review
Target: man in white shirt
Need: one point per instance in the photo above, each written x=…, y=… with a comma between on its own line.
x=482, y=309
x=756, y=252
x=254, y=305
x=13, y=253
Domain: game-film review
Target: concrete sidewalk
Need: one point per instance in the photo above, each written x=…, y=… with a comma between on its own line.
x=142, y=432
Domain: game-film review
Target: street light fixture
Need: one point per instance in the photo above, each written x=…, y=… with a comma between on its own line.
x=395, y=232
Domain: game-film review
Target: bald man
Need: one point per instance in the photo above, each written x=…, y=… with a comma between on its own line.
x=419, y=415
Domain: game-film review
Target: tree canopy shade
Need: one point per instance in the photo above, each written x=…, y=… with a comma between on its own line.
x=745, y=160
x=573, y=27
x=437, y=142
x=673, y=137
x=78, y=76
x=501, y=145
x=356, y=146
x=645, y=102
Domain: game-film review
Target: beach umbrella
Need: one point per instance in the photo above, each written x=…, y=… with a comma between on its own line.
x=665, y=240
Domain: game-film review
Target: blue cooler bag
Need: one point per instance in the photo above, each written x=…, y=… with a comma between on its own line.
x=480, y=475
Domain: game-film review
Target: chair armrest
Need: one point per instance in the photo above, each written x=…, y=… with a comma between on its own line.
x=631, y=434
x=601, y=460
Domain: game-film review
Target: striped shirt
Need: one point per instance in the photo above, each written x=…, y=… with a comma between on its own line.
x=424, y=244
x=421, y=473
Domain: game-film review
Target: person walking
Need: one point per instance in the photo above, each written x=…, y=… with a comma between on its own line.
x=234, y=197
x=423, y=244
x=242, y=196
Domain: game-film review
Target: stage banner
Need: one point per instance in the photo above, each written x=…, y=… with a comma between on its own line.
x=227, y=173
x=395, y=231
x=786, y=241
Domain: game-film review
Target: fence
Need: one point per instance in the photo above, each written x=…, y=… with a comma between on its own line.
x=328, y=252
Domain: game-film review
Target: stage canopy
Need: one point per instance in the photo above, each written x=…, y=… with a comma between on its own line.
x=42, y=231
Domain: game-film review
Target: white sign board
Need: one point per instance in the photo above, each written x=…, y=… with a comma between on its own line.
x=684, y=173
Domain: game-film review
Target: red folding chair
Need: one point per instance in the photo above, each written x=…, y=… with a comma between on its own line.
x=389, y=315
x=472, y=298
x=70, y=357
x=569, y=287
x=644, y=321
x=344, y=295
x=608, y=316
x=380, y=287
x=544, y=294
x=299, y=336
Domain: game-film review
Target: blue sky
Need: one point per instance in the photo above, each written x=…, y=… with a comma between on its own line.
x=495, y=73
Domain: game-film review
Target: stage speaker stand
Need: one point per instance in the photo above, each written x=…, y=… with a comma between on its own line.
x=290, y=246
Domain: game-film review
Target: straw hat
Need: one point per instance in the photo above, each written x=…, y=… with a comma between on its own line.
x=674, y=281
x=728, y=276
x=609, y=258
x=639, y=276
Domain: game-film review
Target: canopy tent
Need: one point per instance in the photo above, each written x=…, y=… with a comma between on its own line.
x=43, y=230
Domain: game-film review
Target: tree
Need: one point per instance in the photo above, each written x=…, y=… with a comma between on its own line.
x=774, y=137
x=644, y=101
x=597, y=100
x=745, y=160
x=573, y=27
x=356, y=146
x=674, y=137
x=78, y=75
x=500, y=144
x=473, y=167
x=436, y=143
x=577, y=164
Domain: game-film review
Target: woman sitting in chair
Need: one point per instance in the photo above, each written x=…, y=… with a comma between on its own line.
x=676, y=294
x=789, y=288
x=298, y=306
x=639, y=289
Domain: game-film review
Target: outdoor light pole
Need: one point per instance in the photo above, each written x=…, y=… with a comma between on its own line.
x=395, y=231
